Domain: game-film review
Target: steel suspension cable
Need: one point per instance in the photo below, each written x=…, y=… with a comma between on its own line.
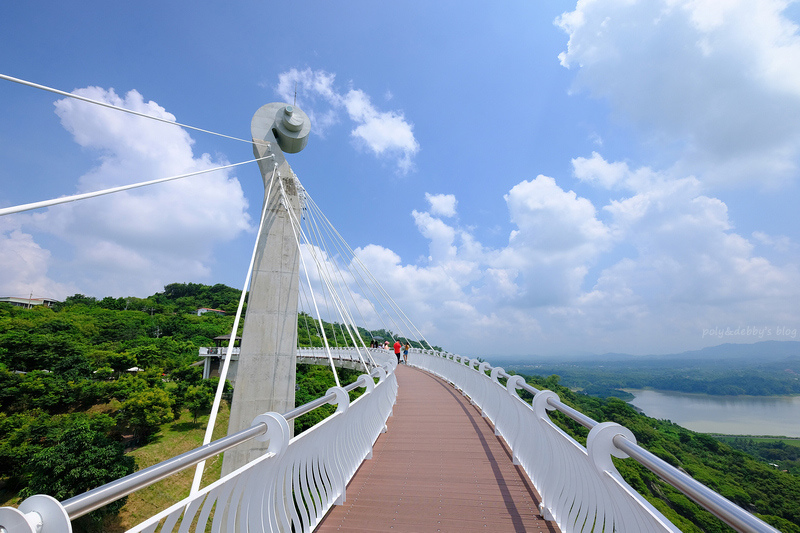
x=334, y=296
x=339, y=305
x=389, y=299
x=212, y=417
x=395, y=307
x=348, y=321
x=356, y=275
x=118, y=108
x=112, y=190
x=308, y=280
x=314, y=230
x=303, y=296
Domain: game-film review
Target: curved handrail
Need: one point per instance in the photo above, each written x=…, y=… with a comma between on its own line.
x=43, y=513
x=475, y=383
x=87, y=502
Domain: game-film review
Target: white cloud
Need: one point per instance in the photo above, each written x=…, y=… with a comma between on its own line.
x=717, y=82
x=714, y=88
x=598, y=170
x=672, y=264
x=441, y=235
x=25, y=264
x=554, y=221
x=382, y=132
x=690, y=267
x=442, y=204
x=780, y=243
x=466, y=288
x=386, y=134
x=313, y=89
x=558, y=238
x=135, y=242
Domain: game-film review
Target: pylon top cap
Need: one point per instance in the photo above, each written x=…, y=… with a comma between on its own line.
x=287, y=124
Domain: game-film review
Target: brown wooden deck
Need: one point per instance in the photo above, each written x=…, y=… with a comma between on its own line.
x=438, y=468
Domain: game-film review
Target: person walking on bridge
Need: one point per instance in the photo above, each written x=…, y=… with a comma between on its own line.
x=397, y=347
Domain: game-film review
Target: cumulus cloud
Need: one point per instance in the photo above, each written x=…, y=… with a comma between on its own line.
x=441, y=235
x=465, y=287
x=135, y=242
x=386, y=134
x=442, y=204
x=598, y=171
x=25, y=264
x=645, y=272
x=558, y=237
x=690, y=267
x=780, y=243
x=716, y=87
x=718, y=83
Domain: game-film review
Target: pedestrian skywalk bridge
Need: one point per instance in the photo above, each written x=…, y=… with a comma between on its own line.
x=468, y=455
x=412, y=453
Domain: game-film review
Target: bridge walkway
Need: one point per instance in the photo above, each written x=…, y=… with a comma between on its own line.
x=439, y=467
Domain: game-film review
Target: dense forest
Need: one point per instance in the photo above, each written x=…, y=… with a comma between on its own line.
x=780, y=452
x=755, y=485
x=71, y=413
x=71, y=405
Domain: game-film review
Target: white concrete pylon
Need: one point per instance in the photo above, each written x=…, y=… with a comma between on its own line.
x=265, y=377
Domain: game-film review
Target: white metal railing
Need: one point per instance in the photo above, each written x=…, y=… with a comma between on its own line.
x=342, y=353
x=218, y=350
x=288, y=488
x=580, y=487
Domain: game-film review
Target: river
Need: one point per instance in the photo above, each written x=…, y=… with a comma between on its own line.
x=731, y=415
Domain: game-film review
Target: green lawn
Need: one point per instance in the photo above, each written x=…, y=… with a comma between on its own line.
x=174, y=438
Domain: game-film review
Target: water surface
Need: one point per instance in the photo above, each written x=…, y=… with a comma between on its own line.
x=733, y=415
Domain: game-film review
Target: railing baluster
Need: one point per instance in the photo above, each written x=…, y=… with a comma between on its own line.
x=580, y=488
x=262, y=493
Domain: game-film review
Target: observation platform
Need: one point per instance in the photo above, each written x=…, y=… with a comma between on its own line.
x=439, y=467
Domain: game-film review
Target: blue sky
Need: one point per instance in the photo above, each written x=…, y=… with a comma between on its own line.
x=547, y=178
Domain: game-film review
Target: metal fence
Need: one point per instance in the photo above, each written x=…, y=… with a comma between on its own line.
x=289, y=488
x=581, y=488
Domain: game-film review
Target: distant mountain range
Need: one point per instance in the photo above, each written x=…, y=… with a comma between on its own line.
x=770, y=350
x=763, y=369
x=764, y=351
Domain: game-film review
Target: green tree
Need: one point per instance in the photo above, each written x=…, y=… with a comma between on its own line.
x=198, y=398
x=80, y=299
x=145, y=411
x=83, y=458
x=120, y=362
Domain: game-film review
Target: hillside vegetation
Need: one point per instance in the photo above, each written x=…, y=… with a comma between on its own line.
x=751, y=483
x=72, y=415
x=76, y=418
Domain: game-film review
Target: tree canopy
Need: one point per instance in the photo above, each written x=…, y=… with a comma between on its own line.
x=89, y=377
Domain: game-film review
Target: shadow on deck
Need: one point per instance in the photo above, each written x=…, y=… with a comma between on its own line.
x=438, y=468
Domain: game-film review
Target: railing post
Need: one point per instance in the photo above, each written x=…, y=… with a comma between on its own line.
x=37, y=514
x=512, y=384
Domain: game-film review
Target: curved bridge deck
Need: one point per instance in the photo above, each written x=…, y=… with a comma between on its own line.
x=438, y=468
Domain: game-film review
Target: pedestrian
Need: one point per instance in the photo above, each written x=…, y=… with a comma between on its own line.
x=397, y=347
x=405, y=352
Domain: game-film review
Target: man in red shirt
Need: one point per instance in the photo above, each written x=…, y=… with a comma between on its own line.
x=397, y=347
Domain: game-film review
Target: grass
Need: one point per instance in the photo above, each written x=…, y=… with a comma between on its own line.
x=174, y=438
